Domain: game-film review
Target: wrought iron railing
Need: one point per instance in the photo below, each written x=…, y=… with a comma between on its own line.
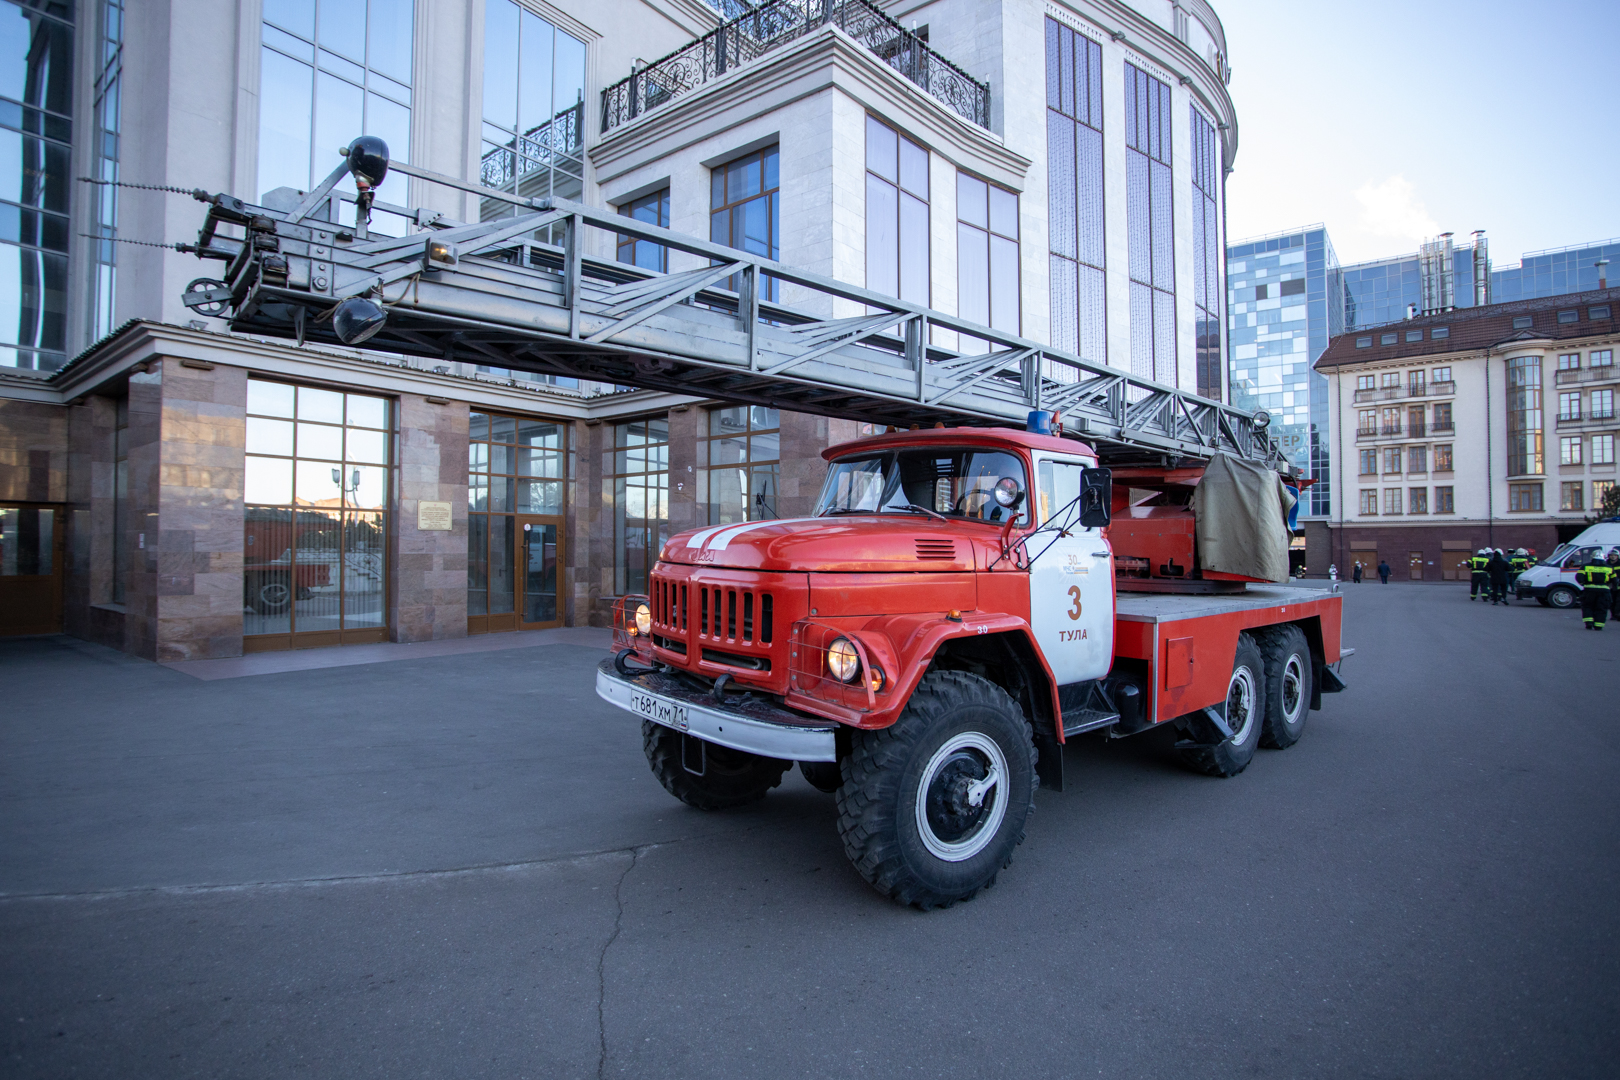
x=776, y=22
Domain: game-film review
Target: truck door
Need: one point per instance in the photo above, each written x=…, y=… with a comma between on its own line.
x=1071, y=578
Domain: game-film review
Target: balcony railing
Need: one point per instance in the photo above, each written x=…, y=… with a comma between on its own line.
x=1603, y=373
x=1415, y=430
x=1439, y=428
x=1438, y=389
x=737, y=41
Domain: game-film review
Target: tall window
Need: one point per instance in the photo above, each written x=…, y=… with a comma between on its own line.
x=1442, y=416
x=1206, y=220
x=514, y=466
x=896, y=214
x=1603, y=405
x=1569, y=406
x=1417, y=459
x=1569, y=449
x=1600, y=492
x=1569, y=361
x=743, y=454
x=1603, y=450
x=1572, y=495
x=1524, y=416
x=1442, y=457
x=986, y=257
x=745, y=209
x=534, y=110
x=1389, y=421
x=1417, y=500
x=654, y=210
x=1150, y=231
x=1366, y=422
x=36, y=83
x=1392, y=502
x=1392, y=459
x=1369, y=462
x=1074, y=154
x=108, y=90
x=1444, y=502
x=1369, y=502
x=640, y=500
x=1602, y=358
x=332, y=70
x=316, y=494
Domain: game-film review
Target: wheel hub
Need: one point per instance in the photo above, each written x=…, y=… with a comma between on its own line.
x=960, y=804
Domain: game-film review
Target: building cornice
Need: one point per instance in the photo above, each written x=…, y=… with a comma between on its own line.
x=826, y=59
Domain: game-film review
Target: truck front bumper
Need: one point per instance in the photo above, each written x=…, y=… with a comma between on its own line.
x=759, y=727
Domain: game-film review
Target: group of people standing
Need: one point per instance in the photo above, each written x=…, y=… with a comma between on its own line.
x=1492, y=572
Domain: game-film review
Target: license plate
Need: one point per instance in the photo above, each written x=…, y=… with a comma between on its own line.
x=659, y=711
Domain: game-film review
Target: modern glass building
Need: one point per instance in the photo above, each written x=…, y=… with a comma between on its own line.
x=1556, y=271
x=1282, y=293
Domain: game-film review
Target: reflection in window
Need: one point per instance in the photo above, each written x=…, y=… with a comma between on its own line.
x=745, y=210
x=36, y=103
x=108, y=91
x=27, y=541
x=316, y=492
x=640, y=500
x=1206, y=170
x=741, y=457
x=534, y=111
x=986, y=257
x=1074, y=150
x=1150, y=234
x=896, y=214
x=514, y=466
x=654, y=210
x=1524, y=416
x=332, y=70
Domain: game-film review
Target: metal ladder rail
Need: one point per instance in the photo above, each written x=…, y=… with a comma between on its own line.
x=559, y=311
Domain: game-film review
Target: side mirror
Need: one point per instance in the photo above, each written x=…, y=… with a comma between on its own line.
x=1096, y=498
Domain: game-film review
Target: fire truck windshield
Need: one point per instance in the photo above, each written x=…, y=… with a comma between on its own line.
x=948, y=481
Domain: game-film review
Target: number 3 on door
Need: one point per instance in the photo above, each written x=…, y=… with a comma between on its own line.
x=1074, y=594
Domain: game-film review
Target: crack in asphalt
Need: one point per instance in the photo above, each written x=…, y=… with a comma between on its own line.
x=601, y=960
x=346, y=879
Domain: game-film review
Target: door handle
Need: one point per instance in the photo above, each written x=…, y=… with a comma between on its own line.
x=1101, y=554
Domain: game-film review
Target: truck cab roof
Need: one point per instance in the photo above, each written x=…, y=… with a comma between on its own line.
x=962, y=436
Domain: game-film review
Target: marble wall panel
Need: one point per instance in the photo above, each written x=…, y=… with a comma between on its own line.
x=429, y=588
x=33, y=451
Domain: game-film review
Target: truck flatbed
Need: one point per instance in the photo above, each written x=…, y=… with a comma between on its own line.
x=1170, y=607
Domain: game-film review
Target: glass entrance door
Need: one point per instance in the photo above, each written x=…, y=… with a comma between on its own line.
x=541, y=551
x=30, y=570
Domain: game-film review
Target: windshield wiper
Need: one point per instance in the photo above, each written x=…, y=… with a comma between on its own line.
x=844, y=510
x=915, y=509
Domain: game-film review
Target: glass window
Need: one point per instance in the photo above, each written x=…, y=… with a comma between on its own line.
x=104, y=197
x=1208, y=292
x=316, y=490
x=1417, y=500
x=36, y=86
x=1369, y=462
x=1440, y=333
x=1417, y=459
x=1074, y=154
x=745, y=210
x=534, y=111
x=27, y=541
x=1392, y=502
x=514, y=466
x=1602, y=357
x=1442, y=457
x=1367, y=422
x=640, y=500
x=325, y=80
x=740, y=456
x=1569, y=406
x=1369, y=502
x=1150, y=232
x=1443, y=500
x=1522, y=322
x=1572, y=495
x=1442, y=374
x=1524, y=497
x=986, y=258
x=1603, y=405
x=1442, y=416
x=955, y=482
x=1524, y=416
x=1414, y=335
x=1363, y=342
x=1569, y=361
x=1569, y=449
x=897, y=193
x=1599, y=312
x=1365, y=382
x=1603, y=450
x=654, y=210
x=1387, y=339
x=1392, y=459
x=1392, y=380
x=1569, y=316
x=1601, y=490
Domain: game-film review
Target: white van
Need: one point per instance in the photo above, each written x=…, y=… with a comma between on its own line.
x=1552, y=580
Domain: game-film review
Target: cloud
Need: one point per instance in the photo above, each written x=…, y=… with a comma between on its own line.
x=1392, y=209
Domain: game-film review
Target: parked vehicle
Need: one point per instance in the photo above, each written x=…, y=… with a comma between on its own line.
x=1552, y=580
x=963, y=601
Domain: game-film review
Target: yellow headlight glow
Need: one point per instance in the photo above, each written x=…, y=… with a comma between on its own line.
x=643, y=619
x=842, y=659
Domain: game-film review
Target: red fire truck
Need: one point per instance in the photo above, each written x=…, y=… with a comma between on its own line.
x=961, y=602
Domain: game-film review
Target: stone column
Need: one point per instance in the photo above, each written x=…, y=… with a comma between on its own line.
x=197, y=532
x=430, y=568
x=685, y=428
x=140, y=529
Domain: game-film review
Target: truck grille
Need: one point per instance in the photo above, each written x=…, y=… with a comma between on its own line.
x=731, y=624
x=734, y=615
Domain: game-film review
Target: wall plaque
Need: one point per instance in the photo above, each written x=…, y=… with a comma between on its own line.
x=433, y=516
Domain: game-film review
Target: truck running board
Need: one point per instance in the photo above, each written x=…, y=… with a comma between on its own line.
x=1076, y=721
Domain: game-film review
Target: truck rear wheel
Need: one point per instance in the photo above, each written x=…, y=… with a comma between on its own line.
x=1288, y=686
x=1245, y=715
x=932, y=807
x=705, y=775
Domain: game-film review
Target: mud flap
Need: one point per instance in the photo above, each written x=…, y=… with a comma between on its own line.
x=1049, y=761
x=1206, y=727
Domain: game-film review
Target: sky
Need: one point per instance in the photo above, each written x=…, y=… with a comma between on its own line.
x=1392, y=122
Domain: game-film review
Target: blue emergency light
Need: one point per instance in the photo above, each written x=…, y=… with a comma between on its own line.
x=1044, y=422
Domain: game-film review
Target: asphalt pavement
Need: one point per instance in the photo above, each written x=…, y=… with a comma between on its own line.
x=461, y=866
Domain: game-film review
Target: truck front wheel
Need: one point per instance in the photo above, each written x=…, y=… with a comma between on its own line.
x=705, y=775
x=932, y=807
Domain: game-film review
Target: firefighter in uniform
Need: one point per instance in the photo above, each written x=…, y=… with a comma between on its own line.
x=1516, y=566
x=1479, y=580
x=1594, y=579
x=1614, y=580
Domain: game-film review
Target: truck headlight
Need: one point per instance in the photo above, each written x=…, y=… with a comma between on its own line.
x=842, y=659
x=643, y=620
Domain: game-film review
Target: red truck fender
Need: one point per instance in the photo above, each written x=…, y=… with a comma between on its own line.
x=905, y=646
